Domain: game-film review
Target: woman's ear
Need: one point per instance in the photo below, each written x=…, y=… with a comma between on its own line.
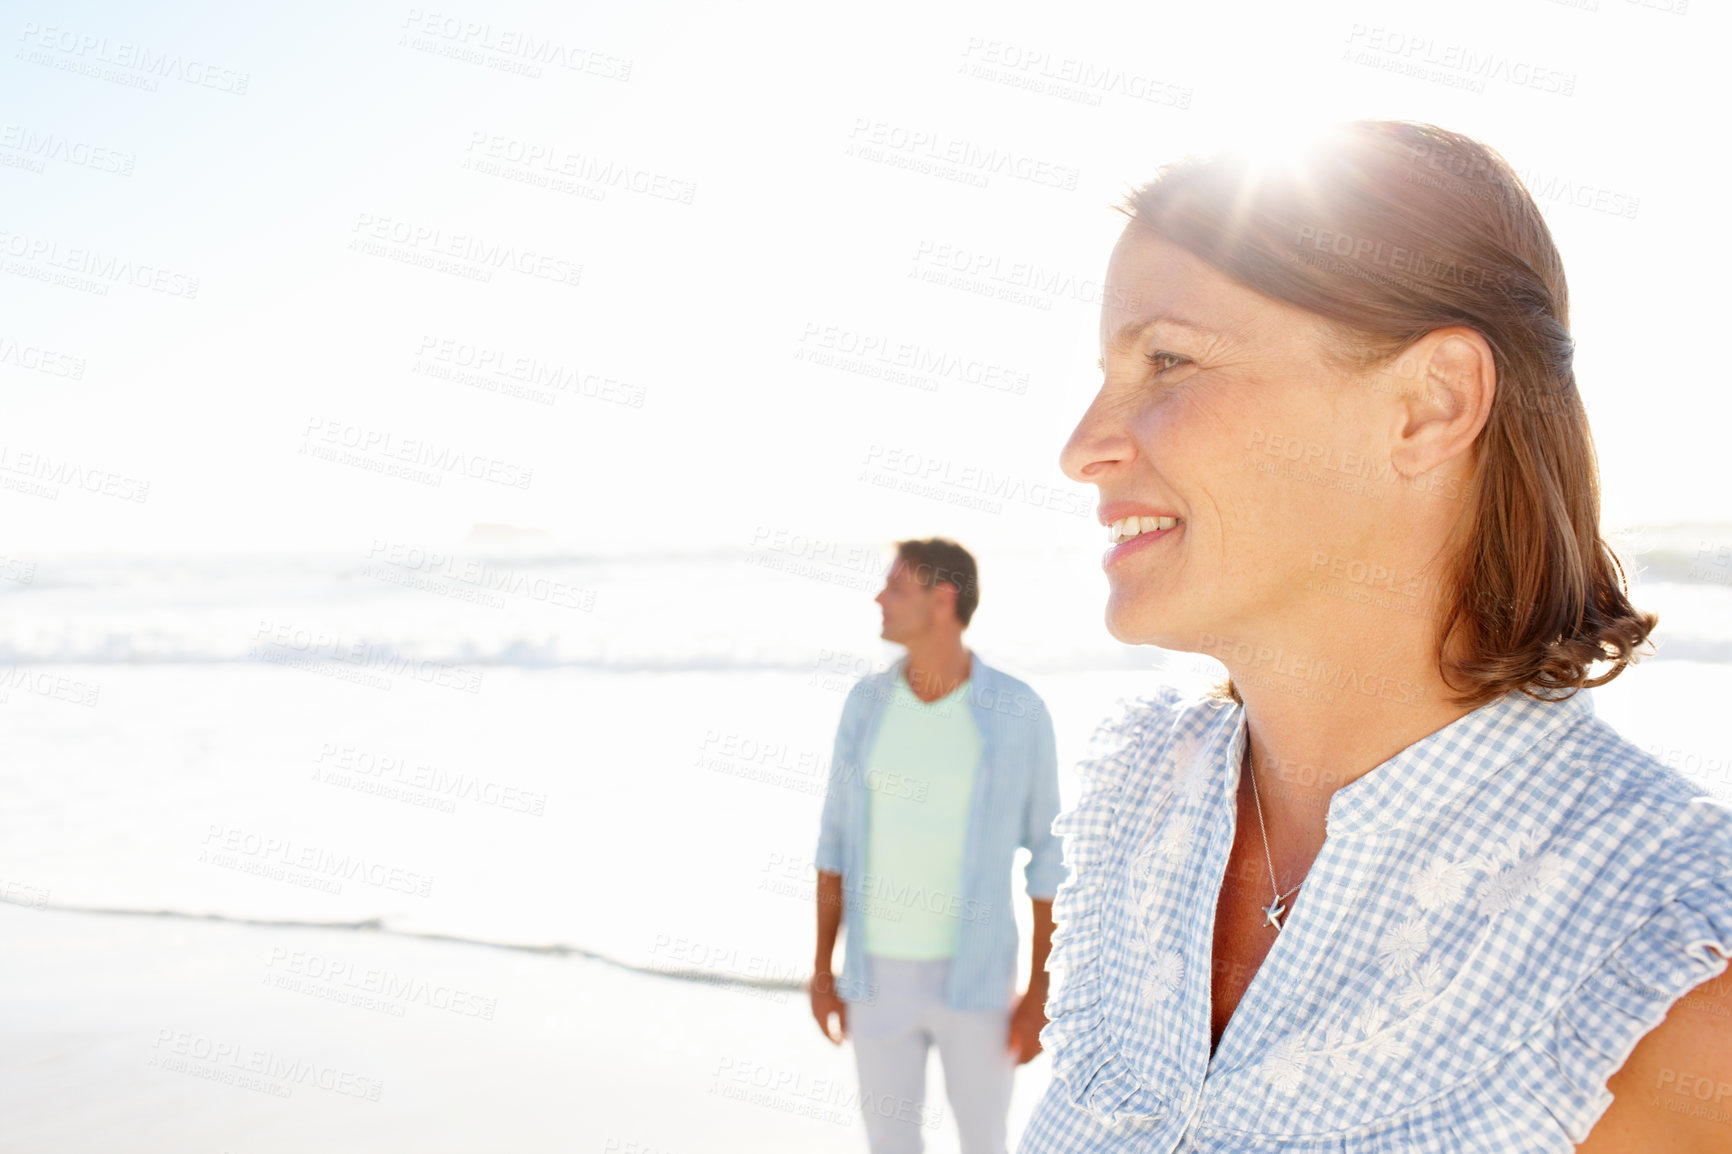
x=1444, y=402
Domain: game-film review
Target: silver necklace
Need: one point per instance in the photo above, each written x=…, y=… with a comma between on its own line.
x=1273, y=911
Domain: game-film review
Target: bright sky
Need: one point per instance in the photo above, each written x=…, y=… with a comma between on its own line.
x=299, y=160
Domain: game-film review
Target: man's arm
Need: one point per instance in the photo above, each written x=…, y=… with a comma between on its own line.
x=1040, y=945
x=831, y=823
x=1046, y=868
x=1029, y=1017
x=825, y=1001
x=828, y=858
x=829, y=919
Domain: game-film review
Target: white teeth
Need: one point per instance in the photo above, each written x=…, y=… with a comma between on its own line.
x=1127, y=527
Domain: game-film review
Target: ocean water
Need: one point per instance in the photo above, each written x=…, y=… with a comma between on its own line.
x=542, y=747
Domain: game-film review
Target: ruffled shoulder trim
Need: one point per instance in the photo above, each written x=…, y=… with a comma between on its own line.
x=1565, y=1065
x=1087, y=1061
x=1107, y=762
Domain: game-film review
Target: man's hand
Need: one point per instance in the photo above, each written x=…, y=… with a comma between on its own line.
x=822, y=988
x=1025, y=1025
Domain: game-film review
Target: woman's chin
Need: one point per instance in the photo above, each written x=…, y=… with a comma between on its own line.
x=1137, y=624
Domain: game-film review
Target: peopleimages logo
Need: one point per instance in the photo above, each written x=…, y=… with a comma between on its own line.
x=1067, y=77
x=233, y=1062
x=313, y=649
x=91, y=269
x=383, y=235
x=225, y=844
x=92, y=55
x=477, y=573
x=973, y=265
x=1396, y=258
x=1249, y=659
x=940, y=477
x=878, y=139
x=42, y=475
x=385, y=445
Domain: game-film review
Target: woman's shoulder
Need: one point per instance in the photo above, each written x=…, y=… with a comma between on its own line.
x=1660, y=844
x=1628, y=827
x=1654, y=850
x=1612, y=904
x=1633, y=808
x=1616, y=853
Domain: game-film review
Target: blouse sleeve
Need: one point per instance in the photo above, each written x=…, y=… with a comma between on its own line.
x=1554, y=1081
x=1684, y=943
x=1087, y=1067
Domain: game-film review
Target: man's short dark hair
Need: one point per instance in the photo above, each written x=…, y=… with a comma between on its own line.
x=938, y=561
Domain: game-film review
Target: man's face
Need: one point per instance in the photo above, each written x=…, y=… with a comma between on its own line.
x=910, y=609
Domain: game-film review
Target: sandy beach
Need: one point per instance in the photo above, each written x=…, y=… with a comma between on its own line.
x=151, y=1034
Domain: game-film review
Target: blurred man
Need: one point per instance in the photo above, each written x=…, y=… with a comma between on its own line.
x=943, y=766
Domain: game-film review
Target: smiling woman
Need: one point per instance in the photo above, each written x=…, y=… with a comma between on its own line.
x=1393, y=886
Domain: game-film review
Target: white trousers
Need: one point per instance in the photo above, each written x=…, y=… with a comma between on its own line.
x=891, y=1036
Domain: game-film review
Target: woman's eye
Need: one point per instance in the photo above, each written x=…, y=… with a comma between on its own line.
x=1158, y=360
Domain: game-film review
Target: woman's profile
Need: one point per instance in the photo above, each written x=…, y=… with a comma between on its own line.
x=1393, y=886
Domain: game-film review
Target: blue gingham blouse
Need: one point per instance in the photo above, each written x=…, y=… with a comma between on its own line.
x=1498, y=914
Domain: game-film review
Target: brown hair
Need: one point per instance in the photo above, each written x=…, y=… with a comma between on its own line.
x=937, y=560
x=1390, y=230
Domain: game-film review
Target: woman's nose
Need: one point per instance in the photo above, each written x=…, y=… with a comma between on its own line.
x=1096, y=444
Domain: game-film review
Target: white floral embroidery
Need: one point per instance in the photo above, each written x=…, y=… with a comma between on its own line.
x=1370, y=1020
x=1184, y=752
x=1423, y=984
x=1513, y=884
x=1148, y=892
x=1193, y=770
x=1400, y=948
x=1442, y=883
x=1149, y=899
x=1139, y=903
x=1513, y=873
x=1516, y=847
x=1346, y=1066
x=1345, y=1048
x=1166, y=974
x=1389, y=1047
x=1284, y=1066
x=1176, y=838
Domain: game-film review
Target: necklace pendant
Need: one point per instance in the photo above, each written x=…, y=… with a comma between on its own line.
x=1272, y=914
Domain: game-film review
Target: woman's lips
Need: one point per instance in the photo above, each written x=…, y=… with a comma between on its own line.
x=1141, y=541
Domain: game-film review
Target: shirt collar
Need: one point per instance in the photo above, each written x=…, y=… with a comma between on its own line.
x=1421, y=779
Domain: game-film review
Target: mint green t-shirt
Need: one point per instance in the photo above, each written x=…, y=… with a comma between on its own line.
x=919, y=779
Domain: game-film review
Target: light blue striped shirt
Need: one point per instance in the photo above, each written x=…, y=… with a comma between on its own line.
x=1013, y=803
x=1498, y=914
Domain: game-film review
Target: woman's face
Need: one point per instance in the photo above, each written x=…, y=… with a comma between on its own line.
x=1222, y=412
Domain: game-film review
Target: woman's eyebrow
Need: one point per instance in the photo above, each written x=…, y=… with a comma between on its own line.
x=1134, y=329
